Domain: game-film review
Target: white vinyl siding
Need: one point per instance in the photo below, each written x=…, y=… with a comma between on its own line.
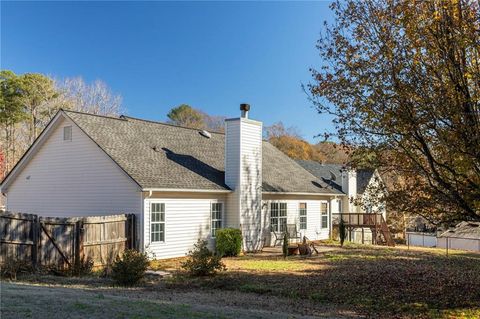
x=187, y=219
x=72, y=179
x=314, y=231
x=243, y=174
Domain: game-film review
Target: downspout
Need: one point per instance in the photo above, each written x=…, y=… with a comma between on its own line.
x=150, y=193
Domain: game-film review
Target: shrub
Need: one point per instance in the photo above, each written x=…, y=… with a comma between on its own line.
x=12, y=267
x=83, y=267
x=130, y=268
x=228, y=242
x=342, y=231
x=201, y=261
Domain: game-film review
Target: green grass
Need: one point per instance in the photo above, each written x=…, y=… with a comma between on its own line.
x=276, y=265
x=75, y=303
x=370, y=280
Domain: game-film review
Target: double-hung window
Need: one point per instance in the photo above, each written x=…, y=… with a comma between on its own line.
x=157, y=222
x=324, y=215
x=278, y=217
x=303, y=215
x=217, y=217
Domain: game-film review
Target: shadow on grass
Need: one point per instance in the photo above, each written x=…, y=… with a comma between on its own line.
x=377, y=282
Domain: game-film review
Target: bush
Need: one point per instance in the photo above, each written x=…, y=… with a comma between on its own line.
x=342, y=231
x=201, y=261
x=130, y=268
x=12, y=267
x=228, y=242
x=83, y=267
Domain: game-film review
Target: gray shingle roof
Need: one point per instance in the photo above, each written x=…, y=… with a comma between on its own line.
x=325, y=171
x=329, y=173
x=158, y=155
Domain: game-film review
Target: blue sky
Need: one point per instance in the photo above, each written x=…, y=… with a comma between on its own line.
x=211, y=55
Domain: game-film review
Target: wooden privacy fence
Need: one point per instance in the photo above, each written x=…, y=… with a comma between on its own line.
x=63, y=242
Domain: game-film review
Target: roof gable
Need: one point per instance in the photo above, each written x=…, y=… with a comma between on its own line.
x=163, y=156
x=159, y=155
x=364, y=177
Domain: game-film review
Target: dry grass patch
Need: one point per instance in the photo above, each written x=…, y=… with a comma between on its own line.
x=375, y=281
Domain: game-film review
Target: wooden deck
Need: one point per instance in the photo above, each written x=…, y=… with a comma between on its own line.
x=359, y=220
x=374, y=221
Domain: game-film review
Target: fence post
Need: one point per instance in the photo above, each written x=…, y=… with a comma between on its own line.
x=131, y=236
x=35, y=240
x=446, y=244
x=78, y=242
x=408, y=241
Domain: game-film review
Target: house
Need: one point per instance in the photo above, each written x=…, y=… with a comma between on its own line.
x=465, y=236
x=363, y=208
x=181, y=183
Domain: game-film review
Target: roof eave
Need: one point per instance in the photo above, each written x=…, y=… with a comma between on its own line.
x=186, y=190
x=304, y=193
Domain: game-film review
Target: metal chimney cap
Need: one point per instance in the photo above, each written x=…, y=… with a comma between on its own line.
x=244, y=107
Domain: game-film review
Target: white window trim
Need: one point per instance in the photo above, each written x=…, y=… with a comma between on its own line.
x=164, y=222
x=222, y=220
x=300, y=216
x=278, y=217
x=324, y=214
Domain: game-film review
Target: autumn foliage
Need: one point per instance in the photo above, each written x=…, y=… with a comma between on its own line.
x=402, y=79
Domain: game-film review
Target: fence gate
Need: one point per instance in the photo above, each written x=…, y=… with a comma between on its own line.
x=62, y=242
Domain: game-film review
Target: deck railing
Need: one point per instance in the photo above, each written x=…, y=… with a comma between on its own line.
x=358, y=219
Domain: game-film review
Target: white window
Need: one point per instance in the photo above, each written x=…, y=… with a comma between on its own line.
x=324, y=215
x=157, y=222
x=217, y=217
x=303, y=215
x=278, y=217
x=67, y=133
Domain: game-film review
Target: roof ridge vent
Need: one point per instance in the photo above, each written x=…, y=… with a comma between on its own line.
x=205, y=133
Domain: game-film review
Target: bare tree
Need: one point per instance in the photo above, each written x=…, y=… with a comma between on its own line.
x=95, y=98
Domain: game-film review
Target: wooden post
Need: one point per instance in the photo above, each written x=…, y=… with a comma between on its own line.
x=79, y=253
x=130, y=232
x=35, y=240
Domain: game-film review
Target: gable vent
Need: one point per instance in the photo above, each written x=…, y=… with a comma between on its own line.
x=67, y=133
x=205, y=134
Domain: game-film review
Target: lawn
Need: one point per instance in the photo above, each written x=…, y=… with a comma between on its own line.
x=351, y=282
x=368, y=280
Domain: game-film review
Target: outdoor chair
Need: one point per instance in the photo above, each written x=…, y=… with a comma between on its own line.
x=293, y=232
x=278, y=237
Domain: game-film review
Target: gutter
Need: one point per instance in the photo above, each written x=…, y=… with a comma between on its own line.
x=186, y=190
x=295, y=193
